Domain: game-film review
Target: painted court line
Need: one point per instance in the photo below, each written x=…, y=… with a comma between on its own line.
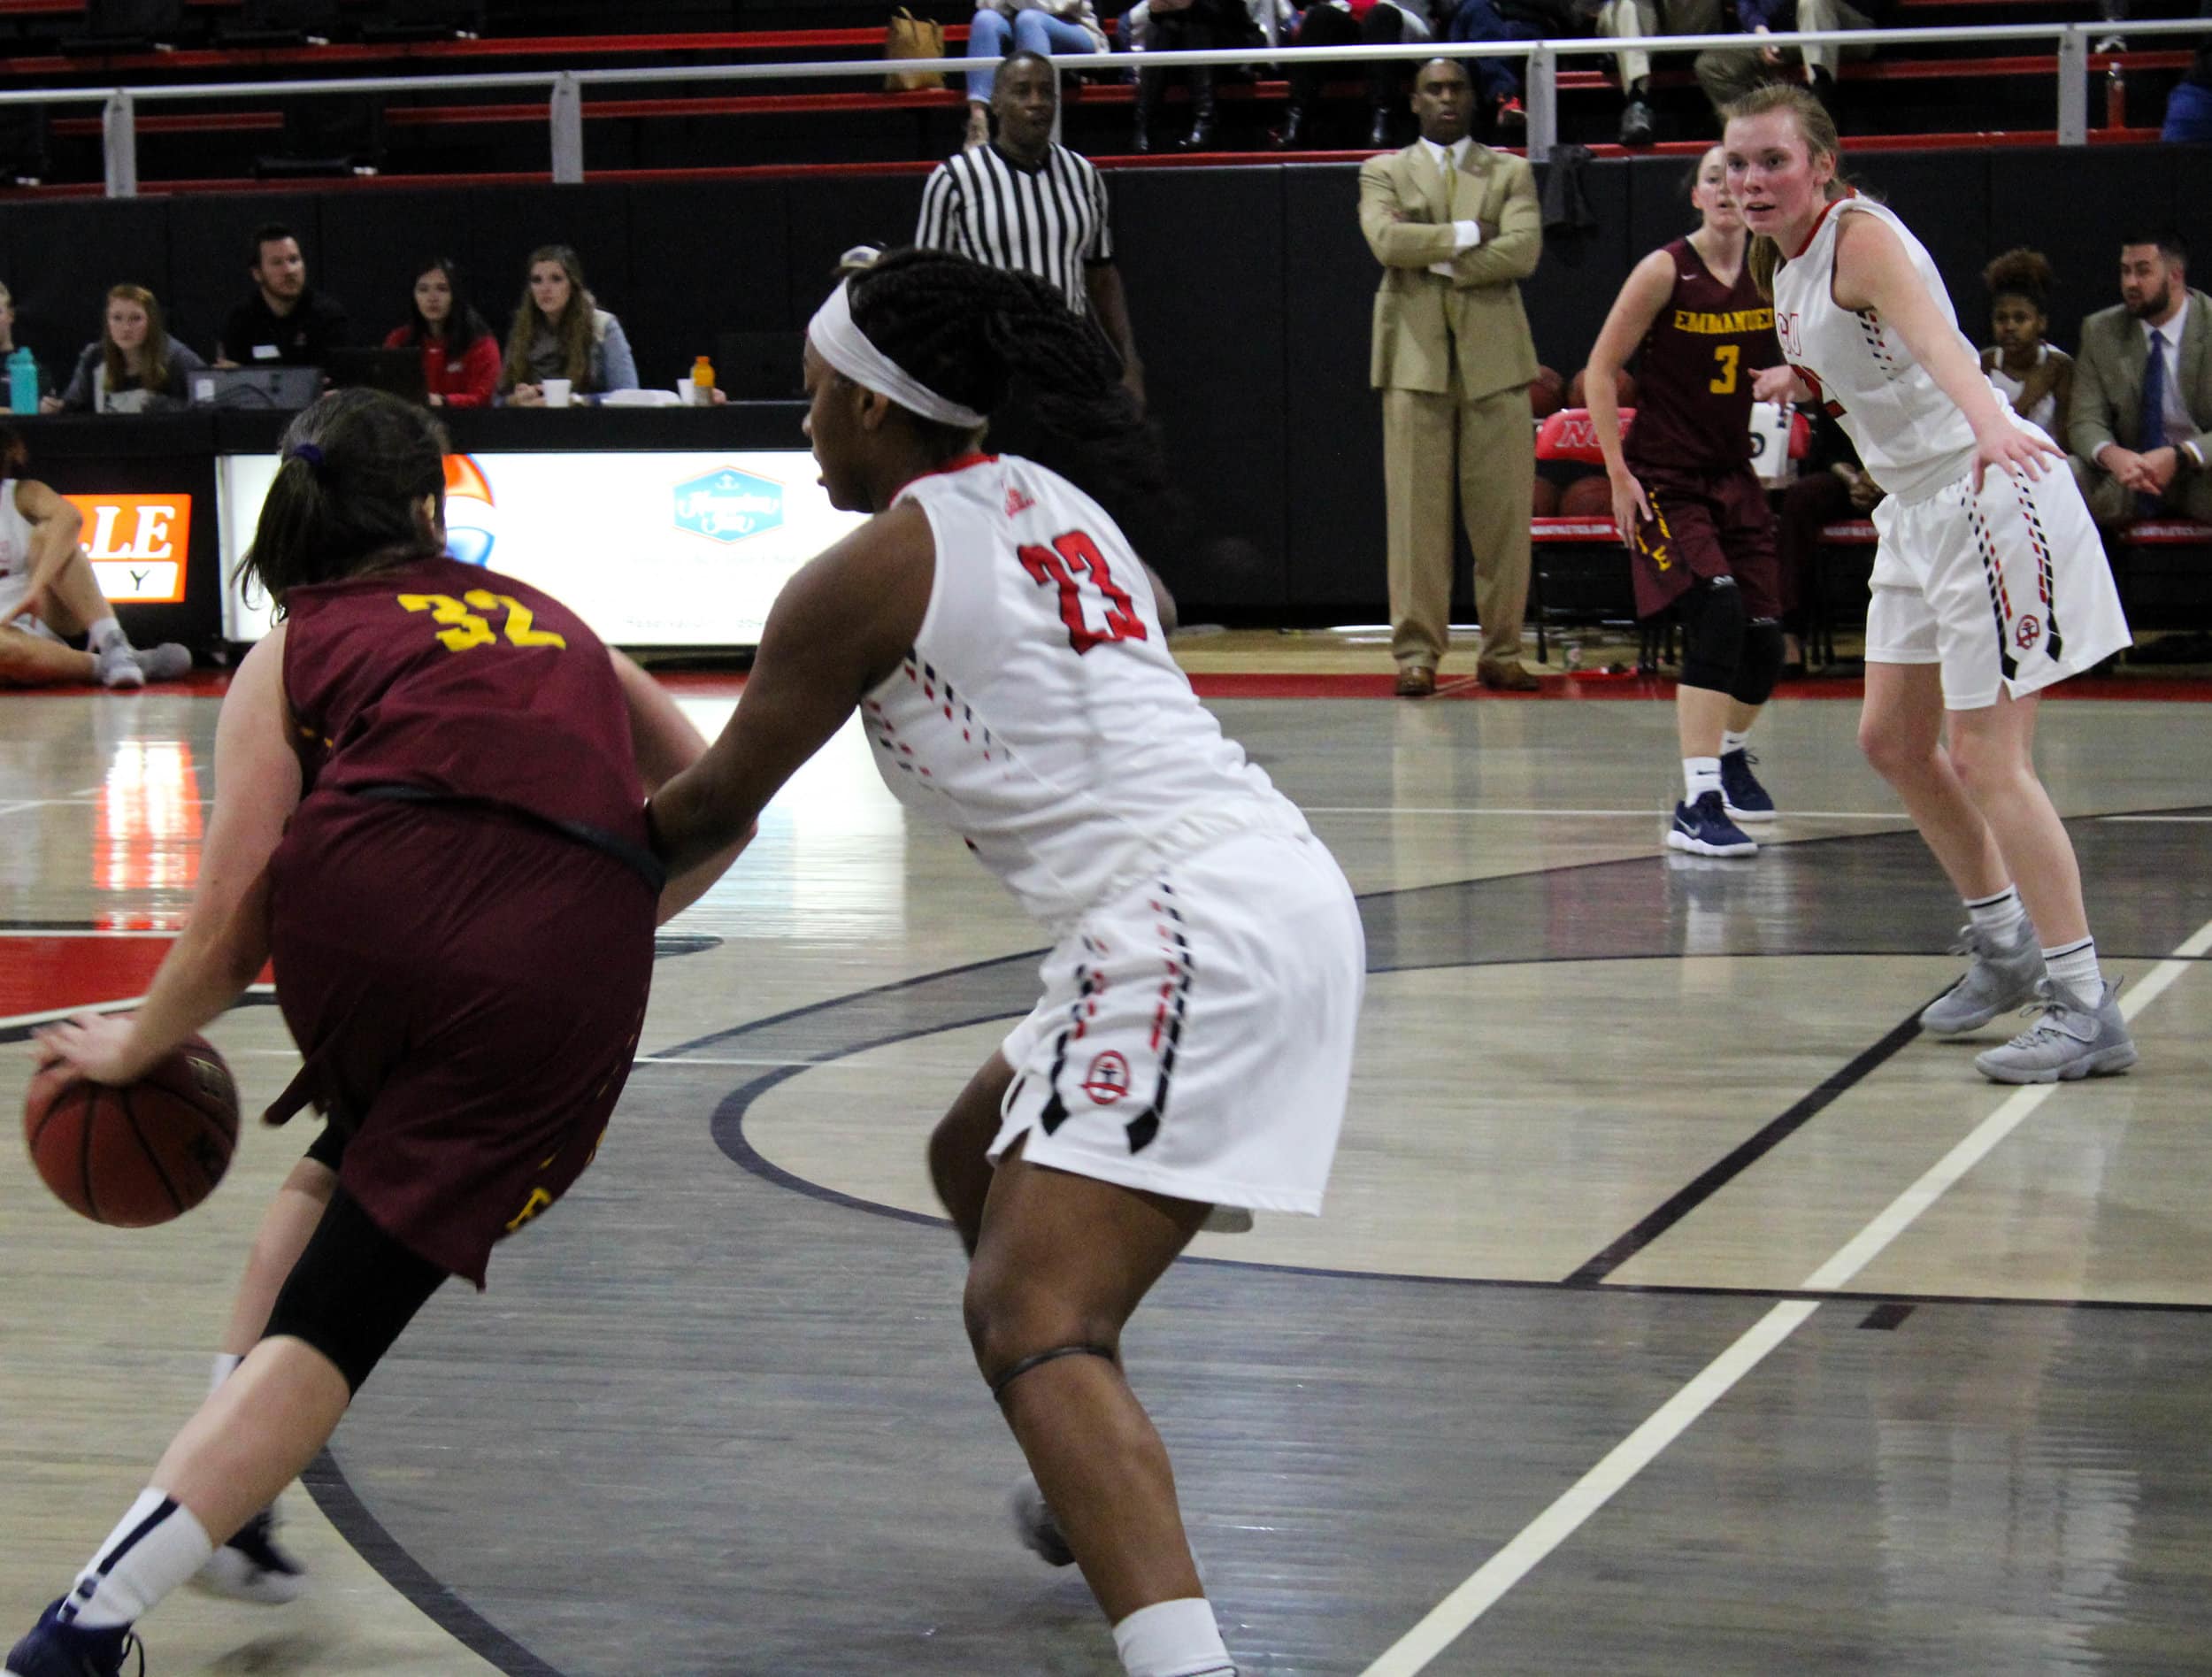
x=1653, y=813
x=123, y=1004
x=1450, y=1618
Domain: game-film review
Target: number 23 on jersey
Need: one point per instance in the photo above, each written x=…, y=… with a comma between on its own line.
x=1096, y=608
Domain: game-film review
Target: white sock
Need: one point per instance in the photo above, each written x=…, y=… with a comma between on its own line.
x=2073, y=968
x=1173, y=1639
x=2000, y=917
x=225, y=1365
x=104, y=634
x=157, y=1547
x=1699, y=775
x=1731, y=741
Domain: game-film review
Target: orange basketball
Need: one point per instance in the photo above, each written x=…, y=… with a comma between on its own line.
x=139, y=1154
x=1544, y=503
x=1624, y=386
x=1545, y=395
x=1590, y=498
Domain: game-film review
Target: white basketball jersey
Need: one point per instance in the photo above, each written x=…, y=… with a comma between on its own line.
x=1039, y=714
x=1912, y=437
x=15, y=552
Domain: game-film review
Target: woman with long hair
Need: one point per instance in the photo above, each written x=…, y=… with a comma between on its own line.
x=560, y=332
x=1989, y=585
x=1688, y=504
x=134, y=367
x=1192, y=1046
x=2036, y=376
x=414, y=736
x=460, y=357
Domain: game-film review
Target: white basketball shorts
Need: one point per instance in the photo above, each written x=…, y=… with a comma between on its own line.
x=1195, y=1038
x=2010, y=587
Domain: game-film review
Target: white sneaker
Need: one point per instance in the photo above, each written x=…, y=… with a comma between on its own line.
x=118, y=669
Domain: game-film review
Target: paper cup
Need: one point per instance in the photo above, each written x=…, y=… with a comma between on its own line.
x=557, y=392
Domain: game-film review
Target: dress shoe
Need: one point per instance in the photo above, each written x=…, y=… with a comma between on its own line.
x=1507, y=676
x=1296, y=131
x=1379, y=135
x=1638, y=124
x=1416, y=681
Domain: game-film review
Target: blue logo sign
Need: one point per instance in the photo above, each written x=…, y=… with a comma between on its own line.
x=729, y=505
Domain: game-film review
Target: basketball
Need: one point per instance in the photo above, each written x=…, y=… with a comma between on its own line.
x=1590, y=498
x=1544, y=395
x=138, y=1155
x=1624, y=386
x=1546, y=500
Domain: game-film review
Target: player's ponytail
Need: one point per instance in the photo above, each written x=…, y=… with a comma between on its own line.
x=1816, y=128
x=348, y=492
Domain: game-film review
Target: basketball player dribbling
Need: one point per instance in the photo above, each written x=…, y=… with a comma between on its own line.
x=1193, y=1046
x=429, y=812
x=1688, y=505
x=1989, y=585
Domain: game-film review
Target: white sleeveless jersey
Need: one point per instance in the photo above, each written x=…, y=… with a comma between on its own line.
x=1039, y=714
x=15, y=552
x=1912, y=437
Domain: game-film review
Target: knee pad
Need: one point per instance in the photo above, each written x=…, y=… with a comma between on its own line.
x=353, y=1291
x=1761, y=664
x=1712, y=619
x=1037, y=1359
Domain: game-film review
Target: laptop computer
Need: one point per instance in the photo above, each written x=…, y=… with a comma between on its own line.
x=281, y=389
x=396, y=371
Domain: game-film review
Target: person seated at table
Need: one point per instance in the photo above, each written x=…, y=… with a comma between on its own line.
x=134, y=367
x=460, y=356
x=560, y=332
x=2036, y=376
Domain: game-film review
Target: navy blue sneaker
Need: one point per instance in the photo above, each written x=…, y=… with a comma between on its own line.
x=56, y=1649
x=1704, y=828
x=251, y=1568
x=1740, y=793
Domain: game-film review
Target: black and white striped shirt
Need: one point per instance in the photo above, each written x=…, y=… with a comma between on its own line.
x=1051, y=221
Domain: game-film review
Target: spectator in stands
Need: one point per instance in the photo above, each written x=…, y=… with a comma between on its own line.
x=1727, y=75
x=560, y=332
x=1456, y=227
x=2189, y=107
x=1188, y=25
x=8, y=344
x=134, y=367
x=1025, y=203
x=460, y=357
x=1627, y=18
x=2142, y=391
x=1830, y=486
x=285, y=322
x=1042, y=26
x=1498, y=80
x=2037, y=377
x=1350, y=23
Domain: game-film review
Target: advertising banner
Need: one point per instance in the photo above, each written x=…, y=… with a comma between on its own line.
x=137, y=544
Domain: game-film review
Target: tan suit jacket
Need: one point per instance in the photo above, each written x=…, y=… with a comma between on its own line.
x=2108, y=378
x=1424, y=322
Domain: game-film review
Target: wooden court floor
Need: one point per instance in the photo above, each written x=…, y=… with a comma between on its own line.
x=1678, y=1309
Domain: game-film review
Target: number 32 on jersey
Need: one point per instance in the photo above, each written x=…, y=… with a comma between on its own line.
x=1095, y=607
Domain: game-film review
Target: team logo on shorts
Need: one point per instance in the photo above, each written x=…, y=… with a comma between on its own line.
x=2026, y=632
x=1108, y=1080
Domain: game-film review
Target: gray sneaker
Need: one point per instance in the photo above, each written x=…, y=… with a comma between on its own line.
x=164, y=663
x=117, y=668
x=2069, y=1039
x=2002, y=977
x=1037, y=1526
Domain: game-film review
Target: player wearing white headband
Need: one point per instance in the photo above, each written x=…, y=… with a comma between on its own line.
x=1193, y=1045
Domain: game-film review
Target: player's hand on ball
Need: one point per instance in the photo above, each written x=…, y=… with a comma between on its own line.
x=98, y=1045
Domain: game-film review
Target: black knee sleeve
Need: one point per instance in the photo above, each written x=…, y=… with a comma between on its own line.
x=1035, y=1358
x=1761, y=664
x=328, y=1149
x=1712, y=619
x=353, y=1291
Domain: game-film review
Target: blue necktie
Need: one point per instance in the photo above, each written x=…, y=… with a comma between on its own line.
x=2153, y=428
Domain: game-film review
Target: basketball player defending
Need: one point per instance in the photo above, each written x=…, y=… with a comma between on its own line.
x=1193, y=1045
x=1689, y=507
x=1989, y=584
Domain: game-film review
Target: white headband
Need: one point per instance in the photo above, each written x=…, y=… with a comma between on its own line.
x=846, y=347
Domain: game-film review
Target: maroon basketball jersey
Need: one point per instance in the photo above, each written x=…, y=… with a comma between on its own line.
x=466, y=684
x=1694, y=371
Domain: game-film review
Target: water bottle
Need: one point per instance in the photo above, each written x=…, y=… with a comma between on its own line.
x=23, y=382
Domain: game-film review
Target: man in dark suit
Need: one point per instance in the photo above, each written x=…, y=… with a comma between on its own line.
x=2142, y=391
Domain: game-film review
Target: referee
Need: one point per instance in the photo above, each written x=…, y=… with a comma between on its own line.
x=1024, y=203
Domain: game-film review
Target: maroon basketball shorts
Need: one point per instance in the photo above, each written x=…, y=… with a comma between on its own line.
x=467, y=990
x=1705, y=525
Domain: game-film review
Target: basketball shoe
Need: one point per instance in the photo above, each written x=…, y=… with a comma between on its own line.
x=118, y=668
x=1704, y=828
x=1035, y=1524
x=1999, y=977
x=1740, y=793
x=56, y=1649
x=2071, y=1038
x=251, y=1568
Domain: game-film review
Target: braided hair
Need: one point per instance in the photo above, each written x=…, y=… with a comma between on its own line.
x=986, y=337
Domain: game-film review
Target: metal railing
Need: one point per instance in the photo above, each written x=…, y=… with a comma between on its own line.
x=565, y=88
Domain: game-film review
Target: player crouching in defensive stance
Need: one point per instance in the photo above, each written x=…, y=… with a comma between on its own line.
x=1193, y=1046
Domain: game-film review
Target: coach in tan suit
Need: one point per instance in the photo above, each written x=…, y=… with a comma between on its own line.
x=1456, y=226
